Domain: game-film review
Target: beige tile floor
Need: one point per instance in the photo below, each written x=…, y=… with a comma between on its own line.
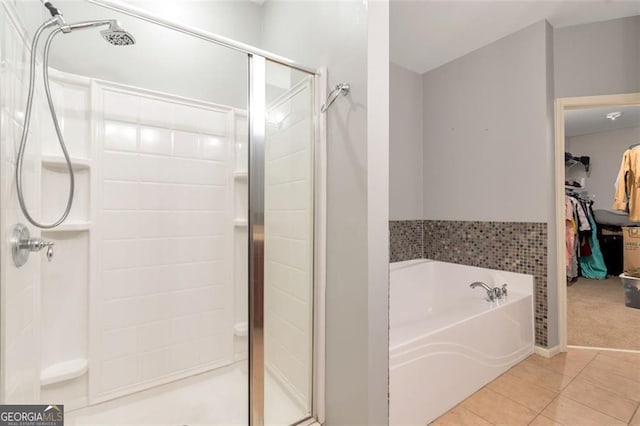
x=581, y=387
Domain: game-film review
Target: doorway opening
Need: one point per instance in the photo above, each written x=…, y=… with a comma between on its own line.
x=592, y=135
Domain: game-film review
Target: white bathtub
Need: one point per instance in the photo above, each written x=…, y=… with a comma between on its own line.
x=446, y=340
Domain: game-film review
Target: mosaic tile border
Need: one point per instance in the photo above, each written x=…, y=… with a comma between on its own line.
x=406, y=240
x=508, y=246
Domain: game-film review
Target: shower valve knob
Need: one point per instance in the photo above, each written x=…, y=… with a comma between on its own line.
x=22, y=244
x=36, y=244
x=49, y=245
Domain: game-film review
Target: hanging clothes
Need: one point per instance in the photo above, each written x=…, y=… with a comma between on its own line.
x=627, y=195
x=592, y=265
x=583, y=254
x=571, y=230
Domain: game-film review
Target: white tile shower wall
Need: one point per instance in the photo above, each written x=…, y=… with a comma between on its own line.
x=19, y=287
x=163, y=297
x=289, y=243
x=72, y=97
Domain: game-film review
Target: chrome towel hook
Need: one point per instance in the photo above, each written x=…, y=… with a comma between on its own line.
x=340, y=89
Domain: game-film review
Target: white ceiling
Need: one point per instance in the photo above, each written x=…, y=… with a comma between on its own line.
x=593, y=120
x=425, y=34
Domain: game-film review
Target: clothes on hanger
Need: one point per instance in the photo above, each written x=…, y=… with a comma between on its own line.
x=627, y=194
x=583, y=254
x=592, y=265
x=570, y=239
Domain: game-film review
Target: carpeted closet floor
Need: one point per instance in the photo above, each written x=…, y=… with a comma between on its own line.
x=598, y=317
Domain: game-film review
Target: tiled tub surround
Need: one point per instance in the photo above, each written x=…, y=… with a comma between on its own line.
x=406, y=240
x=506, y=246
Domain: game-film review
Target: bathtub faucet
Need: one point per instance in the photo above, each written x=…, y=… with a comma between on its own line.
x=493, y=293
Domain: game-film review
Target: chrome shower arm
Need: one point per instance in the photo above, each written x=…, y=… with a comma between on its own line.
x=86, y=25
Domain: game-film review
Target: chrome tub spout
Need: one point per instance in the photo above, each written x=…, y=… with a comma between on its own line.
x=491, y=294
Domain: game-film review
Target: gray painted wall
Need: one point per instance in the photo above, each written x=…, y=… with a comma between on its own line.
x=602, y=58
x=334, y=34
x=486, y=133
x=488, y=138
x=405, y=153
x=488, y=159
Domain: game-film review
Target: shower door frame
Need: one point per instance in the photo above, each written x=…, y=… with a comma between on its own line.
x=257, y=59
x=256, y=179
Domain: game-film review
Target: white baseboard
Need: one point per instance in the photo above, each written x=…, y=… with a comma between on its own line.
x=596, y=348
x=547, y=352
x=309, y=422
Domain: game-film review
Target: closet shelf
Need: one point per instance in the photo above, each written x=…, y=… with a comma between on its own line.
x=576, y=188
x=64, y=371
x=240, y=223
x=570, y=161
x=56, y=162
x=70, y=227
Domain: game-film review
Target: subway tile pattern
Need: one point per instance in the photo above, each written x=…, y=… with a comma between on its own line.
x=508, y=246
x=165, y=249
x=406, y=240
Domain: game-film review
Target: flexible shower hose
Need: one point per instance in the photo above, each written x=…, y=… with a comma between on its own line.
x=27, y=120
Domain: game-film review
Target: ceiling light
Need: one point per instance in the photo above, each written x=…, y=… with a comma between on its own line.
x=613, y=115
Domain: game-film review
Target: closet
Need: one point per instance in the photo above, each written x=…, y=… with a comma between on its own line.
x=600, y=158
x=584, y=257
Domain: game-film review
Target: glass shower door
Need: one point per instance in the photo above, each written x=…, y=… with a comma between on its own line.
x=288, y=244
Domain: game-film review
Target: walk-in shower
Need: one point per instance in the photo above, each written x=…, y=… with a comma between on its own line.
x=187, y=251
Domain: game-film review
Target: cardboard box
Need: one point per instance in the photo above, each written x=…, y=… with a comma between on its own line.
x=631, y=250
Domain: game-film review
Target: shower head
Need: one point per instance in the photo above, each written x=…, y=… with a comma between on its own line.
x=117, y=36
